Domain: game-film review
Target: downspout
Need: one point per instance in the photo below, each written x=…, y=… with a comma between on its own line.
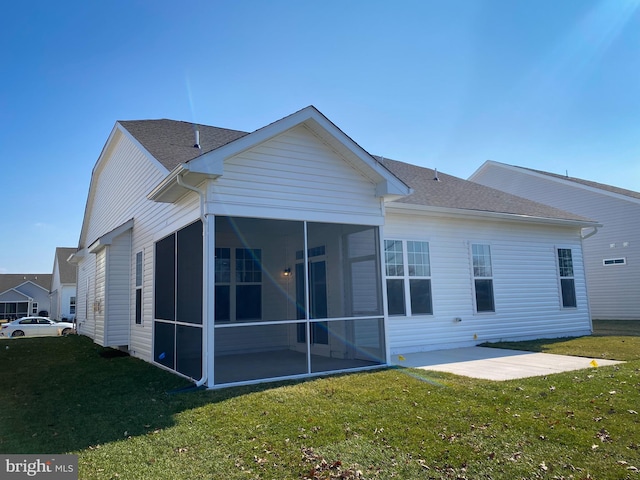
x=586, y=286
x=205, y=269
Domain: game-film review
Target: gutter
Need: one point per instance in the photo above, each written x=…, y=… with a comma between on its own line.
x=205, y=272
x=414, y=209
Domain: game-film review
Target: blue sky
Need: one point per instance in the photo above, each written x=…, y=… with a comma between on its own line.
x=546, y=84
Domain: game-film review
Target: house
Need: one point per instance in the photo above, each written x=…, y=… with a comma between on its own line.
x=231, y=257
x=612, y=257
x=63, y=286
x=22, y=295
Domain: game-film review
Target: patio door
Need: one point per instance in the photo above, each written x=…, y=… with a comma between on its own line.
x=317, y=282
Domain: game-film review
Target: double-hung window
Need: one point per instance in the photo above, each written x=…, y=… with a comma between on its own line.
x=567, y=280
x=408, y=272
x=238, y=287
x=483, y=278
x=138, y=288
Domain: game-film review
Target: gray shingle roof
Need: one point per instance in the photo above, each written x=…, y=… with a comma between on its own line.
x=589, y=183
x=11, y=280
x=171, y=143
x=67, y=271
x=454, y=192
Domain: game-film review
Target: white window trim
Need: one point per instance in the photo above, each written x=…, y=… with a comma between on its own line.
x=406, y=278
x=573, y=277
x=614, y=261
x=474, y=278
x=138, y=287
x=233, y=283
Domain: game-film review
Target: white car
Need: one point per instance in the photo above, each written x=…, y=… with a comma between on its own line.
x=35, y=327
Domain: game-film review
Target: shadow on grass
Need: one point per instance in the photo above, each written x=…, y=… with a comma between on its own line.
x=67, y=394
x=619, y=328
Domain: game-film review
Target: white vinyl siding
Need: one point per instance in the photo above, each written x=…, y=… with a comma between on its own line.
x=85, y=316
x=118, y=307
x=119, y=198
x=98, y=306
x=613, y=292
x=525, y=278
x=297, y=177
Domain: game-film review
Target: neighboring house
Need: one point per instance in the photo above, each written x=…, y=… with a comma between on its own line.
x=23, y=294
x=63, y=286
x=612, y=257
x=231, y=257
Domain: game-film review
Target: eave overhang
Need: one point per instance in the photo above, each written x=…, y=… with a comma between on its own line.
x=210, y=165
x=76, y=258
x=107, y=238
x=169, y=190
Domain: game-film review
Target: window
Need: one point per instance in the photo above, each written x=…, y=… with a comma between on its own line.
x=139, y=288
x=245, y=281
x=614, y=261
x=483, y=278
x=223, y=284
x=408, y=277
x=34, y=308
x=248, y=284
x=567, y=280
x=72, y=305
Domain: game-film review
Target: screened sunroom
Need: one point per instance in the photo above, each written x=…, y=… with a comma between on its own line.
x=291, y=298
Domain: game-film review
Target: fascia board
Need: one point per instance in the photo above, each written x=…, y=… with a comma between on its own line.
x=108, y=238
x=77, y=257
x=31, y=283
x=116, y=131
x=140, y=147
x=14, y=291
x=479, y=214
x=168, y=190
x=386, y=183
x=117, y=128
x=562, y=181
x=483, y=167
x=161, y=190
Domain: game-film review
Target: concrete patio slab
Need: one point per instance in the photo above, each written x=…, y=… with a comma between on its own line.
x=495, y=363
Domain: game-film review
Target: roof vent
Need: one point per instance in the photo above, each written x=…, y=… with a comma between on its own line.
x=436, y=178
x=197, y=144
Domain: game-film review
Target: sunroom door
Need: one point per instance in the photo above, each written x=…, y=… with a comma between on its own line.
x=319, y=338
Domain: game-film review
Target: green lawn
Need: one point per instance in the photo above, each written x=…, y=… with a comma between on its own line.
x=129, y=420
